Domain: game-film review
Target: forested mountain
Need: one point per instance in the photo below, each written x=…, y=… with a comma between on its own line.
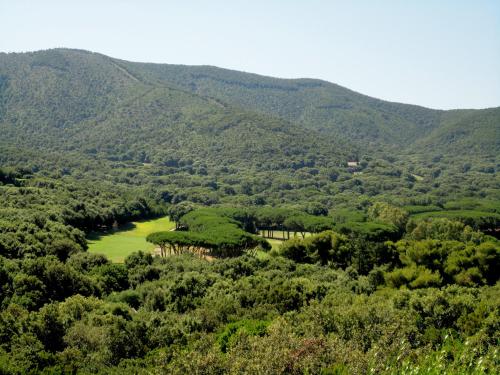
x=325, y=106
x=73, y=112
x=211, y=135
x=470, y=132
x=64, y=94
x=74, y=100
x=313, y=103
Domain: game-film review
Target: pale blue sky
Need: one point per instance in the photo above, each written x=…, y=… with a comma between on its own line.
x=440, y=54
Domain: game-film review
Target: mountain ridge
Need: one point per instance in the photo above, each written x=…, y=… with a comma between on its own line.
x=317, y=106
x=265, y=76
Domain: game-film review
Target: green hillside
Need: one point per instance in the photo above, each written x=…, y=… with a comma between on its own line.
x=211, y=135
x=332, y=109
x=53, y=91
x=314, y=104
x=77, y=101
x=470, y=132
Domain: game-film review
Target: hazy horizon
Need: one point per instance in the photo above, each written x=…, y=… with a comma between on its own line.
x=442, y=56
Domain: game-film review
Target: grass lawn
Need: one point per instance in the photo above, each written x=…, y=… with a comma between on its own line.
x=274, y=246
x=117, y=244
x=274, y=243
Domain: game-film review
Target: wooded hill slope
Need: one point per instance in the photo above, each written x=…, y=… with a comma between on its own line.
x=75, y=98
x=332, y=109
x=210, y=135
x=76, y=101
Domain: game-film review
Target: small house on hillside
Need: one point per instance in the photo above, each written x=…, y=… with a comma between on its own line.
x=353, y=163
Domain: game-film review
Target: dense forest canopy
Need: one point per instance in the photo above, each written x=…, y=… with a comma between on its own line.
x=390, y=215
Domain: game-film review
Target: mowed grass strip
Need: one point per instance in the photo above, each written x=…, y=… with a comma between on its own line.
x=123, y=241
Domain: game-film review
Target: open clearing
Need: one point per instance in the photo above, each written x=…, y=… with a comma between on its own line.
x=117, y=244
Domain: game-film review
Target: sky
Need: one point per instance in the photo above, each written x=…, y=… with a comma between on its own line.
x=439, y=54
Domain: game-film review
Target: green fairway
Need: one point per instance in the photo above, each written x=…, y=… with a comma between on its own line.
x=275, y=244
x=121, y=242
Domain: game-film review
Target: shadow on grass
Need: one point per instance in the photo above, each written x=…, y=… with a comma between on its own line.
x=97, y=235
